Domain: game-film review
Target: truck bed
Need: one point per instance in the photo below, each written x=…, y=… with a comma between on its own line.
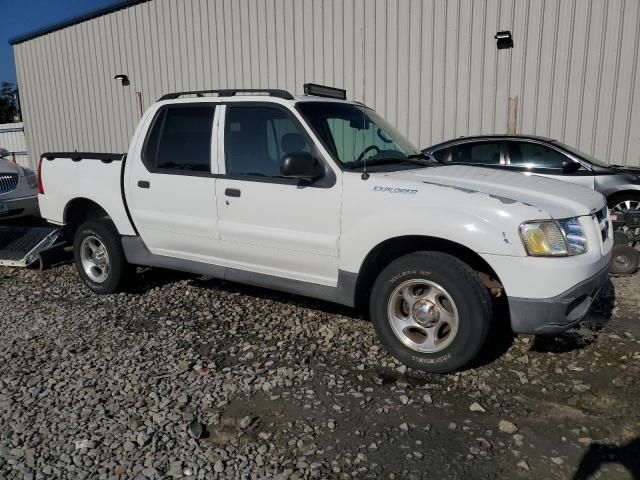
x=78, y=176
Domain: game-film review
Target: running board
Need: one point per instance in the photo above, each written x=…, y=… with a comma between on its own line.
x=22, y=246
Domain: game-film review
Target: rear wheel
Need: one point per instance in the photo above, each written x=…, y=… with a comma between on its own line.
x=431, y=311
x=99, y=257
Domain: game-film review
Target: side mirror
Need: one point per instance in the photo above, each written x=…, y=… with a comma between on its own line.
x=4, y=153
x=300, y=165
x=569, y=166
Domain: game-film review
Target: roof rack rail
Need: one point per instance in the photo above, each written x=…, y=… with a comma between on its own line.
x=230, y=92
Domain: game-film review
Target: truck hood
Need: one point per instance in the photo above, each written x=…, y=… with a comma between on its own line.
x=560, y=199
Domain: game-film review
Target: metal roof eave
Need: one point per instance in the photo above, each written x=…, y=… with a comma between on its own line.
x=120, y=4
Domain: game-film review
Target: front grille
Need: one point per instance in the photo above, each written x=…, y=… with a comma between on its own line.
x=602, y=219
x=8, y=182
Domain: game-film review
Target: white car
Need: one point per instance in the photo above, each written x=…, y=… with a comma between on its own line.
x=18, y=190
x=319, y=196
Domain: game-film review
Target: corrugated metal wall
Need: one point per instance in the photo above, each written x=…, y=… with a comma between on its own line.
x=429, y=66
x=12, y=139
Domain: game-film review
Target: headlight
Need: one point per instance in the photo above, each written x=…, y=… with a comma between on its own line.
x=31, y=179
x=553, y=238
x=574, y=235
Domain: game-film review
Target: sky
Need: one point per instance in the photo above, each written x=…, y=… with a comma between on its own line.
x=18, y=17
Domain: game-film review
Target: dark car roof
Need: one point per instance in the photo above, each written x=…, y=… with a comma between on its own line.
x=487, y=137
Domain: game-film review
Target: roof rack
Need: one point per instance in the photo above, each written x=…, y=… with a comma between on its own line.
x=230, y=92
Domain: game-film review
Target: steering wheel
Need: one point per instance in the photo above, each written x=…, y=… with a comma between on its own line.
x=367, y=150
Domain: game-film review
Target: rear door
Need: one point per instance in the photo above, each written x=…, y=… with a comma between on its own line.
x=269, y=224
x=539, y=158
x=171, y=184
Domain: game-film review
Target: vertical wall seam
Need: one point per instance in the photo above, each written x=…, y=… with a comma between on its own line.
x=614, y=97
x=584, y=73
x=603, y=39
x=444, y=73
x=420, y=78
x=523, y=74
x=469, y=69
x=510, y=59
x=633, y=90
x=53, y=99
x=108, y=130
x=456, y=72
x=538, y=64
x=495, y=77
x=553, y=70
x=567, y=82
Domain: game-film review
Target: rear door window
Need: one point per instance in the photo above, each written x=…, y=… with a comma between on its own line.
x=180, y=139
x=534, y=155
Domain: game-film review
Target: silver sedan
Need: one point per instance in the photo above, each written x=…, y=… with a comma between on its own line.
x=550, y=158
x=18, y=190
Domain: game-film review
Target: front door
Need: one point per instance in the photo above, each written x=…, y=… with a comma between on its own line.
x=172, y=195
x=269, y=224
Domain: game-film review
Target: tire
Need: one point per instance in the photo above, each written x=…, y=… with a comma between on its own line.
x=628, y=200
x=99, y=258
x=625, y=260
x=421, y=340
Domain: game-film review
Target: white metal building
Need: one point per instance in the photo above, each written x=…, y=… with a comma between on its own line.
x=12, y=139
x=432, y=67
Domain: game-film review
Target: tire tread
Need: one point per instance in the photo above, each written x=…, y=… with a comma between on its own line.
x=460, y=270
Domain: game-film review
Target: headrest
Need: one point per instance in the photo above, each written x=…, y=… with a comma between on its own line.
x=292, y=142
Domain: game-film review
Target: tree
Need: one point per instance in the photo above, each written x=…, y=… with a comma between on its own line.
x=8, y=107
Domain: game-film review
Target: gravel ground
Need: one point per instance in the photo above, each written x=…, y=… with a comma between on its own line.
x=189, y=378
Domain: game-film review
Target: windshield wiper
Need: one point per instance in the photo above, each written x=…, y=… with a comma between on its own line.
x=425, y=157
x=413, y=159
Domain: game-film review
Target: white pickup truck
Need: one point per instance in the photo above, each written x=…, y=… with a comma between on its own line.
x=319, y=196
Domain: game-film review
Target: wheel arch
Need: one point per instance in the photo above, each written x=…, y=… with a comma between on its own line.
x=621, y=194
x=388, y=250
x=78, y=211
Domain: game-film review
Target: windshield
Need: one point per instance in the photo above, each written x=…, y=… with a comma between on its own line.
x=357, y=135
x=580, y=154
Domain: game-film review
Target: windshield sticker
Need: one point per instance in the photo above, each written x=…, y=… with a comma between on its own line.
x=405, y=191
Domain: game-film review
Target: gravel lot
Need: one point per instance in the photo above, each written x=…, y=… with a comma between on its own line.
x=185, y=377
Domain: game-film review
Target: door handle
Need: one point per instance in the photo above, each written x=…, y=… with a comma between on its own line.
x=232, y=192
x=143, y=184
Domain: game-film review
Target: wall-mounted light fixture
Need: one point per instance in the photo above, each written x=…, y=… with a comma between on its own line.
x=123, y=79
x=504, y=39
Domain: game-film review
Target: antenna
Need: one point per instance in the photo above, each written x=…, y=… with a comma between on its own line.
x=365, y=175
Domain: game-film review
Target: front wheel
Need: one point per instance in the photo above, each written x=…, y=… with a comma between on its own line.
x=99, y=257
x=431, y=311
x=622, y=202
x=625, y=260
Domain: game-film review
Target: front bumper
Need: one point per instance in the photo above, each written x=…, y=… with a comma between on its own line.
x=19, y=207
x=556, y=314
